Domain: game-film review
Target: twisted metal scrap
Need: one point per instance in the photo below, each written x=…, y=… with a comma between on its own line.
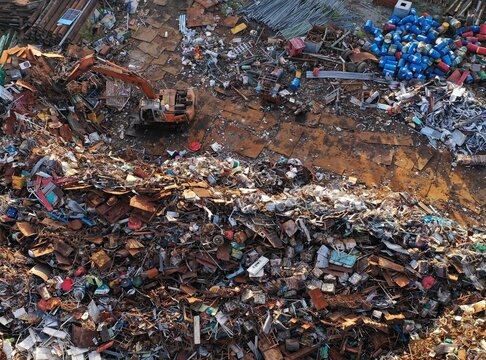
x=291, y=18
x=466, y=114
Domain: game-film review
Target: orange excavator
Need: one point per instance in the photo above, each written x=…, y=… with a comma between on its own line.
x=166, y=106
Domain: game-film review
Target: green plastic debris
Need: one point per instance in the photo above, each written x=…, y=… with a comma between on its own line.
x=3, y=75
x=480, y=247
x=324, y=352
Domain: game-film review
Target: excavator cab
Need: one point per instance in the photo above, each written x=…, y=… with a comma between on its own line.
x=166, y=106
x=171, y=106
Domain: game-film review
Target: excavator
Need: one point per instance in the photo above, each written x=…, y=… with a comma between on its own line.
x=167, y=106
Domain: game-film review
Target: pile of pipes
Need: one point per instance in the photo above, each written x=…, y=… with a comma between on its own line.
x=17, y=13
x=470, y=10
x=291, y=18
x=46, y=28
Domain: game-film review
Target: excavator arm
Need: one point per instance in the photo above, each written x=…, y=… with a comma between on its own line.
x=101, y=66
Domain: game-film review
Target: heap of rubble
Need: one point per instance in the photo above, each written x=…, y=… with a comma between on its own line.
x=210, y=255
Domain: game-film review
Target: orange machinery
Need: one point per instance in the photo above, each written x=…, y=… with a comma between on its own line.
x=166, y=106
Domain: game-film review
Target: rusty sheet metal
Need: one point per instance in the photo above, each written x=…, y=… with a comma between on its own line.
x=363, y=56
x=384, y=138
x=207, y=3
x=254, y=119
x=335, y=153
x=196, y=17
x=145, y=34
x=318, y=299
x=236, y=139
x=379, y=154
x=343, y=122
x=287, y=138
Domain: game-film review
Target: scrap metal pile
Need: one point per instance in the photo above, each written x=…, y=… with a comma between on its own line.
x=212, y=257
x=442, y=111
x=292, y=18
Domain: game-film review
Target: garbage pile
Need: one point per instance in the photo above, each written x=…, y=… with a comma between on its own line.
x=202, y=257
x=442, y=111
x=422, y=47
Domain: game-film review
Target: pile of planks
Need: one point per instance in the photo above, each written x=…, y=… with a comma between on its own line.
x=45, y=27
x=15, y=14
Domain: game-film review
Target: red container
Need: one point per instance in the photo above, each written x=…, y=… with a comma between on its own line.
x=481, y=50
x=458, y=42
x=482, y=29
x=467, y=34
x=389, y=27
x=443, y=66
x=472, y=48
x=296, y=46
x=472, y=39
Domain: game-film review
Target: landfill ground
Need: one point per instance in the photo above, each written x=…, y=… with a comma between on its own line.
x=325, y=140
x=322, y=203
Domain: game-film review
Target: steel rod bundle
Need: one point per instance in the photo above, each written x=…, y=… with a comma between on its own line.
x=292, y=18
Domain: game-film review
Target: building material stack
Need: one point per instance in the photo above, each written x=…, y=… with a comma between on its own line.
x=46, y=27
x=17, y=13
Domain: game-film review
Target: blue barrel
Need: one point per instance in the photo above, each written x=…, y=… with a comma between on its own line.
x=402, y=73
x=416, y=58
x=407, y=19
x=384, y=49
x=415, y=68
x=461, y=31
x=475, y=28
x=368, y=26
x=447, y=59
x=423, y=38
x=376, y=31
x=415, y=29
x=444, y=51
x=295, y=84
x=469, y=79
x=432, y=35
x=375, y=49
x=391, y=66
x=394, y=20
x=427, y=60
x=407, y=38
x=439, y=72
x=434, y=54
x=413, y=47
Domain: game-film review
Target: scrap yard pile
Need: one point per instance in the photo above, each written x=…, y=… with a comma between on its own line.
x=317, y=204
x=207, y=256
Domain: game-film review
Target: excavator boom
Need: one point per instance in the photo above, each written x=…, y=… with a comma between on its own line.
x=164, y=106
x=101, y=66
